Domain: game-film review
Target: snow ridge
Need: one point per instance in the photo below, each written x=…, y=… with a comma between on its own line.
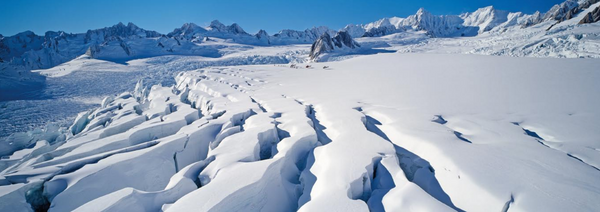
x=468, y=24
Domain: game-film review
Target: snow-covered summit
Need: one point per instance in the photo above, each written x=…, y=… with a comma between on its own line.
x=187, y=31
x=485, y=18
x=216, y=26
x=118, y=31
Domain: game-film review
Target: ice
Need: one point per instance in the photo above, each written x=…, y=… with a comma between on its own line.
x=409, y=123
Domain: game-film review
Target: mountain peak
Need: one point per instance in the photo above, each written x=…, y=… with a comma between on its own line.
x=236, y=29
x=130, y=24
x=189, y=25
x=121, y=25
x=187, y=30
x=26, y=33
x=216, y=23
x=422, y=11
x=262, y=32
x=488, y=8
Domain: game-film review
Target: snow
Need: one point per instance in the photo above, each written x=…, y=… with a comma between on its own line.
x=504, y=120
x=409, y=135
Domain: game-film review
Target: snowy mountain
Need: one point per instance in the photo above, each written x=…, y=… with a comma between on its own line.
x=486, y=18
x=559, y=11
x=188, y=31
x=468, y=24
x=27, y=51
x=122, y=41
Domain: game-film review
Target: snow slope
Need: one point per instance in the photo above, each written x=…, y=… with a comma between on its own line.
x=379, y=132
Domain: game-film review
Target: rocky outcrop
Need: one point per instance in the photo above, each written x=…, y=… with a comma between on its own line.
x=557, y=12
x=343, y=39
x=591, y=17
x=325, y=44
x=533, y=20
x=568, y=9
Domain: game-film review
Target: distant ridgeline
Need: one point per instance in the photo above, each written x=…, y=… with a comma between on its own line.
x=30, y=51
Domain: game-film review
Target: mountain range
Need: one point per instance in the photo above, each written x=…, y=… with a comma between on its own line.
x=28, y=51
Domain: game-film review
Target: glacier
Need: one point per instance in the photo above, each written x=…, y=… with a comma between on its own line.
x=487, y=110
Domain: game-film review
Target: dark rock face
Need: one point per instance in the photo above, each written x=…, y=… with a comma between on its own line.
x=536, y=18
x=591, y=17
x=327, y=44
x=562, y=12
x=571, y=13
x=342, y=39
x=557, y=12
x=322, y=45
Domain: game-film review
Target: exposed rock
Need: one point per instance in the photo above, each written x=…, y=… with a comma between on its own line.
x=533, y=19
x=557, y=12
x=326, y=44
x=591, y=17
x=343, y=39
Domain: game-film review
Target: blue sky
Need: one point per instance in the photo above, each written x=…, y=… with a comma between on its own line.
x=163, y=16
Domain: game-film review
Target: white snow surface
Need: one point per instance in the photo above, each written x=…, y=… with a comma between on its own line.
x=505, y=118
x=389, y=131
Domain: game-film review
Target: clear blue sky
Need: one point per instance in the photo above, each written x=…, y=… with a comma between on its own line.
x=163, y=16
